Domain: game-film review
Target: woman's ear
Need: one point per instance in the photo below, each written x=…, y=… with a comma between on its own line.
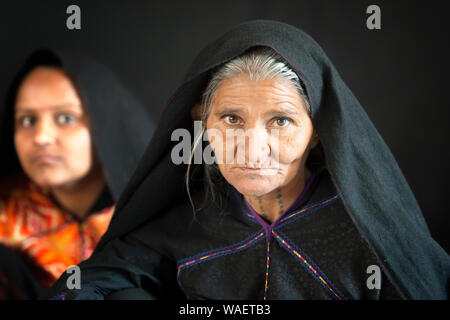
x=196, y=112
x=314, y=139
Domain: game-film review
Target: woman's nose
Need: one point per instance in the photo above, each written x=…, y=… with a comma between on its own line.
x=255, y=146
x=45, y=132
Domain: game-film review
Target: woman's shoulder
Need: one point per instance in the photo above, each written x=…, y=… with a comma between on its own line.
x=11, y=184
x=184, y=216
x=10, y=188
x=19, y=197
x=323, y=184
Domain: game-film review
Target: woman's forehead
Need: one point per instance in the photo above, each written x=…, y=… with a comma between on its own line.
x=46, y=87
x=242, y=91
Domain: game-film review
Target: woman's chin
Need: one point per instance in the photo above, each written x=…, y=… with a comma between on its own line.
x=47, y=182
x=254, y=188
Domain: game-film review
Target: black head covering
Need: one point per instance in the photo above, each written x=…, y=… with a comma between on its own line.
x=364, y=171
x=120, y=126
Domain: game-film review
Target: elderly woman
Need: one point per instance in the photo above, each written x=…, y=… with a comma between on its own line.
x=303, y=201
x=71, y=137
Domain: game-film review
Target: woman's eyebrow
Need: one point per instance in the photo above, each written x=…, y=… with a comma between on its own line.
x=55, y=107
x=283, y=111
x=227, y=110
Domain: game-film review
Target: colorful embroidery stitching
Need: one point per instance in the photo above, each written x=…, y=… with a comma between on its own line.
x=217, y=253
x=317, y=274
x=309, y=209
x=266, y=286
x=61, y=296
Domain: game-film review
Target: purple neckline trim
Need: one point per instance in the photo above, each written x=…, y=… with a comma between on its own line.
x=269, y=227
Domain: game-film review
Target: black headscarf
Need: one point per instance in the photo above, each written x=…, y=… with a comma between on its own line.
x=363, y=170
x=121, y=127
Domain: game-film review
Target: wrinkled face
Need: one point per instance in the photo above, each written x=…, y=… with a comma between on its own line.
x=51, y=131
x=269, y=133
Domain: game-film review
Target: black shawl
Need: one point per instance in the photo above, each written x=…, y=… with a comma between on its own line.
x=120, y=125
x=375, y=193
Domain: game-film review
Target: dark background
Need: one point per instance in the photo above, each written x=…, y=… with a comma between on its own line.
x=399, y=73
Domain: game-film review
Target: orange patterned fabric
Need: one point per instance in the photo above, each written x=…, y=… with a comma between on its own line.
x=31, y=223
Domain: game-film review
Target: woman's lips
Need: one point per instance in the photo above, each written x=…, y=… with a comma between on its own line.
x=260, y=171
x=46, y=159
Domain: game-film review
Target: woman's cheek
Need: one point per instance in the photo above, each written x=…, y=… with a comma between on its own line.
x=217, y=140
x=78, y=148
x=290, y=148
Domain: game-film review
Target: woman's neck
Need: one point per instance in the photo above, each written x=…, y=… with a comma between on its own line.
x=80, y=196
x=273, y=204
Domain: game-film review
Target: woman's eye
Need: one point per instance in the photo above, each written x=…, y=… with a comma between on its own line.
x=231, y=120
x=27, y=121
x=282, y=122
x=65, y=119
